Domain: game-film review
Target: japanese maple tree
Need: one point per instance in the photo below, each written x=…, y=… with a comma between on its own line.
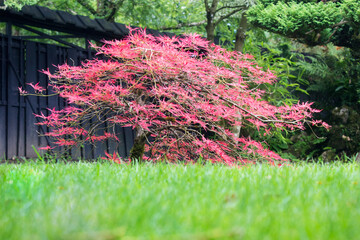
x=176, y=93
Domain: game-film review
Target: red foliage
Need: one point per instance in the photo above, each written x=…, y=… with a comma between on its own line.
x=175, y=90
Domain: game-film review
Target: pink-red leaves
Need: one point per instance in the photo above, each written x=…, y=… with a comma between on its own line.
x=36, y=87
x=179, y=91
x=112, y=157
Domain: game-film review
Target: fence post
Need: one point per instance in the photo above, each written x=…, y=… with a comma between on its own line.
x=8, y=87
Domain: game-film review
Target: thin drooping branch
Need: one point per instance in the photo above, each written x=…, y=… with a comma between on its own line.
x=114, y=8
x=342, y=22
x=88, y=7
x=181, y=25
x=242, y=6
x=228, y=15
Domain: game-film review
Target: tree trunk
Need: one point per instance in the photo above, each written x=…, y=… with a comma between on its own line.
x=137, y=151
x=237, y=129
x=210, y=32
x=239, y=46
x=241, y=33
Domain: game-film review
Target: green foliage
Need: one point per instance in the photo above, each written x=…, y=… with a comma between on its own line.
x=269, y=2
x=276, y=53
x=18, y=4
x=280, y=55
x=330, y=73
x=311, y=22
x=157, y=14
x=306, y=146
x=333, y=80
x=351, y=10
x=333, y=76
x=297, y=19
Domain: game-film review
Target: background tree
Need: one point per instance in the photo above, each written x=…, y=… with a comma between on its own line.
x=312, y=22
x=216, y=11
x=329, y=35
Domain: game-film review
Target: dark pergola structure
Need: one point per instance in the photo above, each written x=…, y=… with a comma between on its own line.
x=21, y=58
x=74, y=26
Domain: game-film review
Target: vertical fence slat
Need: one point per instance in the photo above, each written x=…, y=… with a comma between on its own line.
x=3, y=102
x=51, y=62
x=13, y=101
x=72, y=59
x=31, y=101
x=18, y=129
x=129, y=139
x=3, y=58
x=122, y=145
x=43, y=80
x=21, y=126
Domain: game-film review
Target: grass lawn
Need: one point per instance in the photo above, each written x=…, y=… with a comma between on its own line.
x=107, y=201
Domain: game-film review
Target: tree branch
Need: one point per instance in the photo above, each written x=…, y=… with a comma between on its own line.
x=86, y=5
x=214, y=6
x=225, y=7
x=227, y=15
x=110, y=16
x=342, y=22
x=206, y=5
x=180, y=25
x=114, y=9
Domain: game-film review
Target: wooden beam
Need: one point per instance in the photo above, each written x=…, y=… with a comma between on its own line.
x=49, y=36
x=42, y=37
x=8, y=29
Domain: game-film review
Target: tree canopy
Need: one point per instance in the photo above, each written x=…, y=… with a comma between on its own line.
x=176, y=93
x=310, y=21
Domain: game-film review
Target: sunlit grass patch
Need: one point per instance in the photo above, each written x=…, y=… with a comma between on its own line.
x=166, y=201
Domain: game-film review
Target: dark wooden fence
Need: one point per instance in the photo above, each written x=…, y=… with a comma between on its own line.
x=20, y=62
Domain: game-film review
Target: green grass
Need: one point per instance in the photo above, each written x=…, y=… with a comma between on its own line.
x=104, y=201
